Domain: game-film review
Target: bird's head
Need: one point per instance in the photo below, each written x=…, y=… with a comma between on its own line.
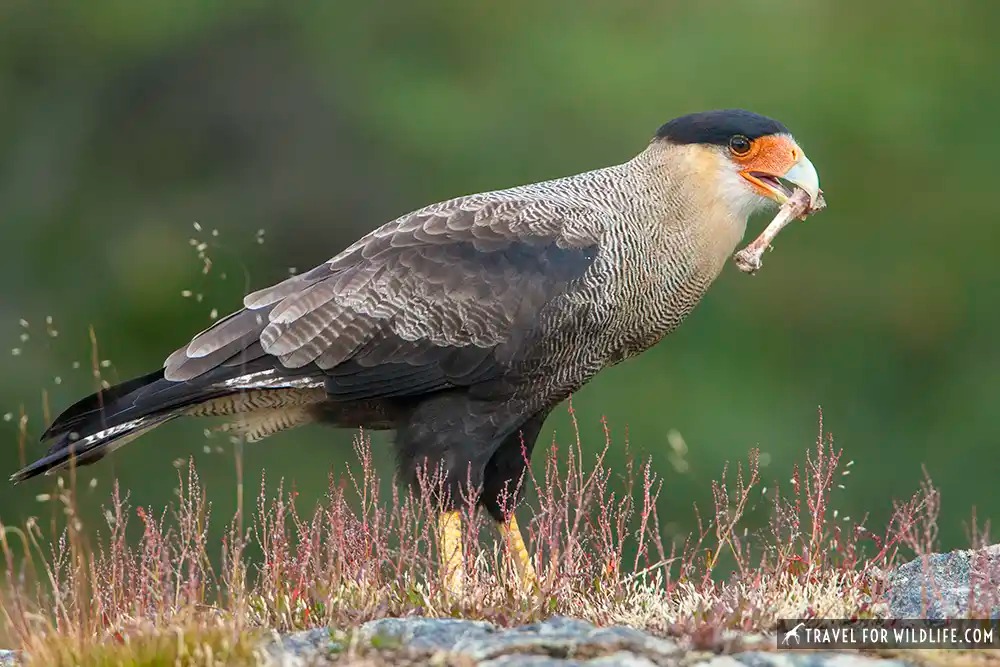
x=749, y=158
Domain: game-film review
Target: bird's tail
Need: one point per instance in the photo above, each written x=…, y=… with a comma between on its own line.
x=97, y=425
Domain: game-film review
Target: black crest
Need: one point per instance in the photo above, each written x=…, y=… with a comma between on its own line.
x=716, y=127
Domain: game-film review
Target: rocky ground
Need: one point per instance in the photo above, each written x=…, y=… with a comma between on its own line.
x=941, y=584
x=556, y=642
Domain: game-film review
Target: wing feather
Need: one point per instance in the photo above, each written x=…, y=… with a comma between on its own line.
x=418, y=305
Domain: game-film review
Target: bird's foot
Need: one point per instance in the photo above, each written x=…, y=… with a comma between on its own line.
x=450, y=552
x=520, y=559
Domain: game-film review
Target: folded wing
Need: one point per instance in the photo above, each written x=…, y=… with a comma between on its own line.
x=419, y=305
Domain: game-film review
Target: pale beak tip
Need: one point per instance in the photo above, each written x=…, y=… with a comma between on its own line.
x=803, y=174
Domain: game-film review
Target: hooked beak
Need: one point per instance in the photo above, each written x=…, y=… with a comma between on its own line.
x=801, y=174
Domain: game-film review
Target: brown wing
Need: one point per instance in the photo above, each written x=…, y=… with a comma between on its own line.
x=418, y=305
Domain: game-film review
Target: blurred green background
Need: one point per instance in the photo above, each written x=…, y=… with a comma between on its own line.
x=122, y=124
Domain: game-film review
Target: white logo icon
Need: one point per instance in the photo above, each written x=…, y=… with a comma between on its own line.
x=793, y=634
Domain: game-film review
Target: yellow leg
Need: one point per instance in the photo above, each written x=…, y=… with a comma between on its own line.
x=518, y=553
x=450, y=551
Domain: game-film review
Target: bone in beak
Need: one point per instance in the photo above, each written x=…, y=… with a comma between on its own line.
x=800, y=205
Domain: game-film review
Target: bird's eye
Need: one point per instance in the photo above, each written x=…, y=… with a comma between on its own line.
x=739, y=145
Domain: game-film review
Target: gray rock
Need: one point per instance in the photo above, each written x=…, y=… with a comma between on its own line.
x=722, y=661
x=298, y=649
x=634, y=640
x=424, y=634
x=561, y=637
x=945, y=583
x=9, y=658
x=556, y=642
x=800, y=659
x=619, y=659
x=520, y=660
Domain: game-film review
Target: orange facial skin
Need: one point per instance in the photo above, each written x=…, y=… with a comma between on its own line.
x=769, y=158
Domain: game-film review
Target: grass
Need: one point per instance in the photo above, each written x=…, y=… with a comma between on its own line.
x=148, y=587
x=196, y=640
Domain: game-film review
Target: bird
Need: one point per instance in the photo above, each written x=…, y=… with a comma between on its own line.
x=461, y=325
